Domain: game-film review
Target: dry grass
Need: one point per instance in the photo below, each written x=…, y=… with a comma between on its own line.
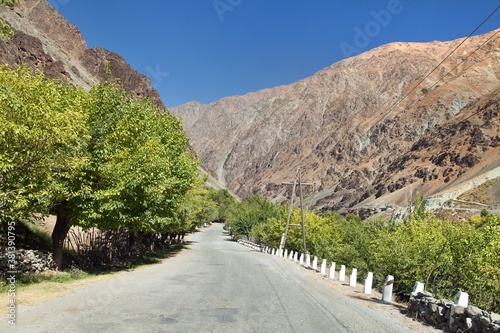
x=44, y=291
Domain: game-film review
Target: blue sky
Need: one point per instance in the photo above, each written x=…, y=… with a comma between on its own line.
x=207, y=49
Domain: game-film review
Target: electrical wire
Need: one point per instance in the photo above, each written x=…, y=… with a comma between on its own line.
x=436, y=67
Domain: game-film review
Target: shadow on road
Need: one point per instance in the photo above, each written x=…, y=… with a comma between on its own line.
x=402, y=309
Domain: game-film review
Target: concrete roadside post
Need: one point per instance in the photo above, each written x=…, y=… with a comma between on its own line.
x=367, y=289
x=315, y=263
x=323, y=267
x=417, y=288
x=462, y=299
x=332, y=271
x=387, y=291
x=342, y=273
x=353, y=279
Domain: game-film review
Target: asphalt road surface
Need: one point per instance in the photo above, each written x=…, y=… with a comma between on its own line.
x=215, y=285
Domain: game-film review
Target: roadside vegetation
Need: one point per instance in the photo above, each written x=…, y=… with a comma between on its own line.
x=99, y=160
x=446, y=256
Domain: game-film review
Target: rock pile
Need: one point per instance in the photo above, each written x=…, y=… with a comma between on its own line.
x=446, y=315
x=28, y=261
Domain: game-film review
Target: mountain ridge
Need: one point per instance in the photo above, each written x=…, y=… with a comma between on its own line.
x=45, y=40
x=341, y=115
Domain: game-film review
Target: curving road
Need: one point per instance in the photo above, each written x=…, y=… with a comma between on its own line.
x=215, y=285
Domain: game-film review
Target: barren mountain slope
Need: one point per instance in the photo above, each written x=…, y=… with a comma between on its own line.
x=45, y=40
x=343, y=127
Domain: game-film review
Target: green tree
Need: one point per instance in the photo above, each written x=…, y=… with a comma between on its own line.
x=5, y=29
x=196, y=208
x=42, y=128
x=253, y=210
x=100, y=159
x=420, y=206
x=138, y=171
x=225, y=204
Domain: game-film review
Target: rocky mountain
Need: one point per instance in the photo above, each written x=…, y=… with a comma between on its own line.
x=45, y=40
x=368, y=131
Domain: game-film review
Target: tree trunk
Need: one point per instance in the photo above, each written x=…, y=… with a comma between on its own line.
x=59, y=233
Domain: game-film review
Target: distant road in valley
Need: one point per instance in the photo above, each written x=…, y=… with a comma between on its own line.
x=215, y=285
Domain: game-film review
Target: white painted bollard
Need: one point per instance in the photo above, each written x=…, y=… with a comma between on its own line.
x=342, y=273
x=332, y=271
x=296, y=256
x=353, y=279
x=418, y=287
x=286, y=254
x=301, y=259
x=315, y=263
x=387, y=292
x=367, y=289
x=308, y=261
x=274, y=252
x=462, y=299
x=323, y=267
x=291, y=255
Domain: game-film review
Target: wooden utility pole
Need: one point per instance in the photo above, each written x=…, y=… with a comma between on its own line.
x=285, y=234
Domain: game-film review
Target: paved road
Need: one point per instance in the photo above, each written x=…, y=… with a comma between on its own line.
x=216, y=285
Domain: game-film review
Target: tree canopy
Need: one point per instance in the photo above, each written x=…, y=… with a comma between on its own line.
x=95, y=159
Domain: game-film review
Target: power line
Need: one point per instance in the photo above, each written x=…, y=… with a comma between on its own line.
x=461, y=62
x=437, y=66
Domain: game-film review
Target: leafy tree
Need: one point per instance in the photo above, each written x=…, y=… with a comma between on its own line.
x=42, y=126
x=196, y=208
x=225, y=204
x=5, y=29
x=419, y=204
x=253, y=210
x=138, y=169
x=99, y=159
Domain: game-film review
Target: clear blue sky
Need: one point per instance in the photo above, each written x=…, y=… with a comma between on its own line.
x=207, y=49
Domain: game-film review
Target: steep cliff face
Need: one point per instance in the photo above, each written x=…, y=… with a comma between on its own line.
x=350, y=129
x=348, y=126
x=45, y=40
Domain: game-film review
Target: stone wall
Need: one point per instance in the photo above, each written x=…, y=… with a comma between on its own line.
x=28, y=261
x=447, y=315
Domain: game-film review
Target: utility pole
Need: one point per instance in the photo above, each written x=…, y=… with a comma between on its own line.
x=285, y=234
